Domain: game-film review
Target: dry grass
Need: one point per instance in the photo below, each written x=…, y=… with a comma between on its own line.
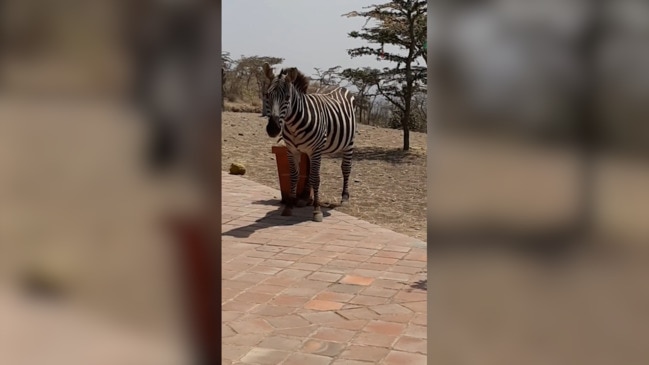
x=388, y=185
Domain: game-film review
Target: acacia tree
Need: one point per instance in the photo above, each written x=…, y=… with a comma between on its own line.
x=363, y=80
x=245, y=76
x=400, y=23
x=328, y=77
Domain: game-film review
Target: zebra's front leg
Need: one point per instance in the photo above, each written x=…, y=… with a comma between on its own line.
x=346, y=167
x=293, y=163
x=314, y=181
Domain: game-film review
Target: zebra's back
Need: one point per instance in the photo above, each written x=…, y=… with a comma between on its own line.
x=336, y=109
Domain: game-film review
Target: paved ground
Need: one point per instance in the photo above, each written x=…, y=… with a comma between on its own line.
x=342, y=291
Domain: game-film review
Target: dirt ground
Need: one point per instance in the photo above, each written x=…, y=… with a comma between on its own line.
x=388, y=185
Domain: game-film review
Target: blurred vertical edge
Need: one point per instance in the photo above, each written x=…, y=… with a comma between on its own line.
x=537, y=170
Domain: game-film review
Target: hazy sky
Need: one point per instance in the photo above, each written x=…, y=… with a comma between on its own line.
x=306, y=33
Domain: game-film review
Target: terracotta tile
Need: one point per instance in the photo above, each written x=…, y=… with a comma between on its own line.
x=416, y=255
x=392, y=308
x=298, y=251
x=411, y=344
x=379, y=292
x=322, y=276
x=352, y=324
x=317, y=260
x=285, y=282
x=322, y=317
x=420, y=319
x=251, y=277
x=266, y=289
x=322, y=305
x=251, y=326
x=334, y=297
x=324, y=348
x=245, y=339
x=383, y=260
x=405, y=296
x=351, y=362
x=301, y=292
x=367, y=273
x=390, y=254
x=347, y=264
x=287, y=257
x=237, y=306
x=333, y=334
x=281, y=343
x=289, y=300
x=385, y=328
x=305, y=266
x=230, y=315
x=363, y=251
x=359, y=313
x=396, y=276
x=289, y=321
x=345, y=288
x=416, y=306
x=310, y=359
x=374, y=339
x=402, y=358
x=251, y=297
x=264, y=356
x=372, y=266
x=266, y=270
x=233, y=352
x=297, y=332
x=365, y=353
x=396, y=248
x=356, y=280
x=367, y=300
x=277, y=263
x=293, y=274
x=417, y=331
x=352, y=257
x=413, y=263
x=226, y=331
x=267, y=310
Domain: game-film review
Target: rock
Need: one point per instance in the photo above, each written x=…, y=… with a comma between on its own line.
x=237, y=169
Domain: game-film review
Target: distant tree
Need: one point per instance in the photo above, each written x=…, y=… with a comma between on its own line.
x=328, y=77
x=245, y=76
x=400, y=23
x=363, y=79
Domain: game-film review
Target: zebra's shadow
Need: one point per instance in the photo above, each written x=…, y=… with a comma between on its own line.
x=274, y=218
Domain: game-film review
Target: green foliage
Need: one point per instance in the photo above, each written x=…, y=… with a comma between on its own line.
x=401, y=24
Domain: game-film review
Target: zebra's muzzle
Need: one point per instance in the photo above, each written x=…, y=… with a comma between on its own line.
x=273, y=127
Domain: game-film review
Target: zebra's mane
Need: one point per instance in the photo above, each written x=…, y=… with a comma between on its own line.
x=301, y=82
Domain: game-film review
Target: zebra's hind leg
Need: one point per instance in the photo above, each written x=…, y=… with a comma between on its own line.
x=346, y=167
x=314, y=181
x=305, y=197
x=293, y=160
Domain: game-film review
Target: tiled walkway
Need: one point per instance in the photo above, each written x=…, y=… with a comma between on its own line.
x=296, y=292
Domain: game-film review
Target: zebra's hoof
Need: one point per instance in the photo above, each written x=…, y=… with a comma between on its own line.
x=317, y=216
x=287, y=212
x=344, y=203
x=301, y=203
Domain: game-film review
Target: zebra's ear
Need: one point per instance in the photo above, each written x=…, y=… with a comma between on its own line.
x=291, y=74
x=268, y=71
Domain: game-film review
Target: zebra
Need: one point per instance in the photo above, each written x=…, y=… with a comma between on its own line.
x=313, y=124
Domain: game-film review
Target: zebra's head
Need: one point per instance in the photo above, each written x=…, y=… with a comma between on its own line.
x=277, y=98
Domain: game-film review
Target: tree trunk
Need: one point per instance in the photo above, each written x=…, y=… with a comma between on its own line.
x=406, y=130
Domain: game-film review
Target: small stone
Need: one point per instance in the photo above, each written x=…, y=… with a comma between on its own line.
x=237, y=169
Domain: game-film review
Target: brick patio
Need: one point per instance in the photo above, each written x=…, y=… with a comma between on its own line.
x=343, y=291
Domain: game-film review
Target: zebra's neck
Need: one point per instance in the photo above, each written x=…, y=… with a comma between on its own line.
x=297, y=107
